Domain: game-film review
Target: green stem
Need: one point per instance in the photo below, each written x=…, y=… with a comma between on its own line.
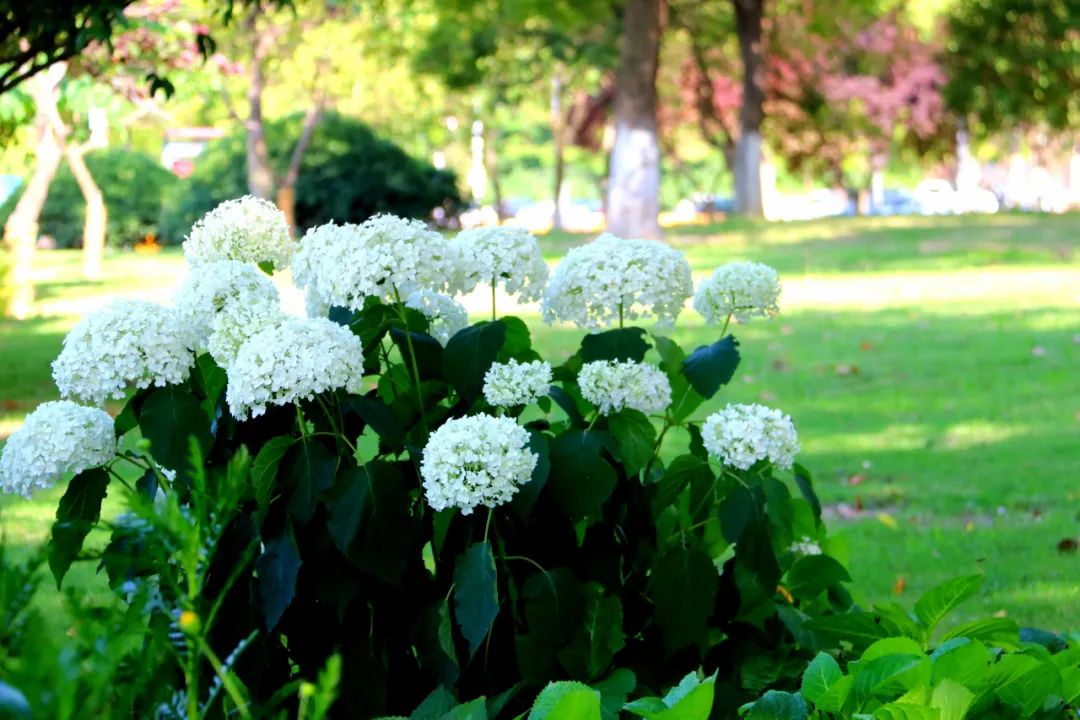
x=415, y=364
x=487, y=525
x=656, y=448
x=726, y=323
x=300, y=422
x=620, y=316
x=493, y=315
x=227, y=682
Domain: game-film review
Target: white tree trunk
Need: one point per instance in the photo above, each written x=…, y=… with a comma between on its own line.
x=97, y=215
x=748, y=174
x=634, y=188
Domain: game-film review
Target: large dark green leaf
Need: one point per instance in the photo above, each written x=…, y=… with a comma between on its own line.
x=476, y=596
x=566, y=700
x=526, y=497
x=858, y=628
x=684, y=399
x=307, y=470
x=581, y=479
x=619, y=344
x=614, y=689
x=429, y=353
x=682, y=472
x=811, y=575
x=683, y=586
x=347, y=503
x=776, y=705
x=711, y=366
x=387, y=533
x=168, y=417
x=518, y=343
x=806, y=487
x=79, y=510
x=741, y=508
x=597, y=638
x=469, y=355
x=379, y=417
x=264, y=468
x=634, y=436
x=278, y=567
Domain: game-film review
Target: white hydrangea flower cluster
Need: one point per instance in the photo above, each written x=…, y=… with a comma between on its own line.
x=343, y=264
x=612, y=385
x=294, y=360
x=806, y=546
x=609, y=278
x=509, y=256
x=512, y=383
x=57, y=438
x=742, y=289
x=742, y=435
x=248, y=229
x=127, y=341
x=477, y=460
x=224, y=302
x=446, y=316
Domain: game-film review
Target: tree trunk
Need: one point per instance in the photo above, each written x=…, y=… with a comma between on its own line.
x=558, y=134
x=491, y=168
x=21, y=228
x=748, y=21
x=260, y=173
x=97, y=214
x=286, y=188
x=634, y=185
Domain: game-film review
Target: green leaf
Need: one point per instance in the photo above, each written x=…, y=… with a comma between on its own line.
x=951, y=700
x=904, y=711
x=858, y=628
x=278, y=568
x=680, y=473
x=1031, y=689
x=475, y=710
x=941, y=600
x=873, y=676
x=438, y=702
x=806, y=487
x=526, y=497
x=833, y=700
x=1001, y=632
x=892, y=646
x=821, y=675
x=476, y=598
x=428, y=351
x=619, y=344
x=379, y=417
x=566, y=701
x=599, y=636
x=13, y=704
x=711, y=366
x=614, y=689
x=812, y=575
x=634, y=436
x=347, y=505
x=581, y=480
x=167, y=418
x=1070, y=684
x=212, y=379
x=776, y=705
x=691, y=699
x=388, y=532
x=518, y=343
x=684, y=400
x=683, y=586
x=264, y=468
x=962, y=660
x=79, y=510
x=309, y=468
x=469, y=354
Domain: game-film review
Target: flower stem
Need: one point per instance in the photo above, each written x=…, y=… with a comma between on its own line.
x=494, y=317
x=412, y=357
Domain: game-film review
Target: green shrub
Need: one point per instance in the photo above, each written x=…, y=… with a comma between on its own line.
x=347, y=174
x=885, y=665
x=134, y=185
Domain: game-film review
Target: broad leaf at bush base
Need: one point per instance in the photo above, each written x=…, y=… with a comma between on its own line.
x=518, y=342
x=429, y=353
x=740, y=509
x=834, y=698
x=635, y=436
x=581, y=480
x=307, y=470
x=614, y=689
x=278, y=567
x=951, y=700
x=386, y=539
x=598, y=637
x=168, y=417
x=619, y=344
x=711, y=366
x=439, y=702
x=683, y=587
x=962, y=660
x=566, y=701
x=811, y=575
x=469, y=354
x=821, y=674
x=347, y=503
x=1002, y=632
x=691, y=699
x=941, y=600
x=904, y=711
x=79, y=510
x=476, y=600
x=874, y=675
x=858, y=628
x=264, y=468
x=776, y=705
x=1029, y=690
x=379, y=417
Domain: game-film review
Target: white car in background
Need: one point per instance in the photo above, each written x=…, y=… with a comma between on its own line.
x=939, y=197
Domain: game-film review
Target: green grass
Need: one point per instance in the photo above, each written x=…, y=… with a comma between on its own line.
x=929, y=363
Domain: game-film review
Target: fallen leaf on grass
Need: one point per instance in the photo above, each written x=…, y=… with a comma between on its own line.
x=856, y=479
x=1068, y=545
x=10, y=404
x=900, y=585
x=866, y=346
x=1038, y=351
x=888, y=521
x=844, y=369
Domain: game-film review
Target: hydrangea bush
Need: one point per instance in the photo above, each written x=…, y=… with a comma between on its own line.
x=417, y=511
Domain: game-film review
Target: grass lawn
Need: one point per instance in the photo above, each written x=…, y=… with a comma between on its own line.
x=930, y=365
